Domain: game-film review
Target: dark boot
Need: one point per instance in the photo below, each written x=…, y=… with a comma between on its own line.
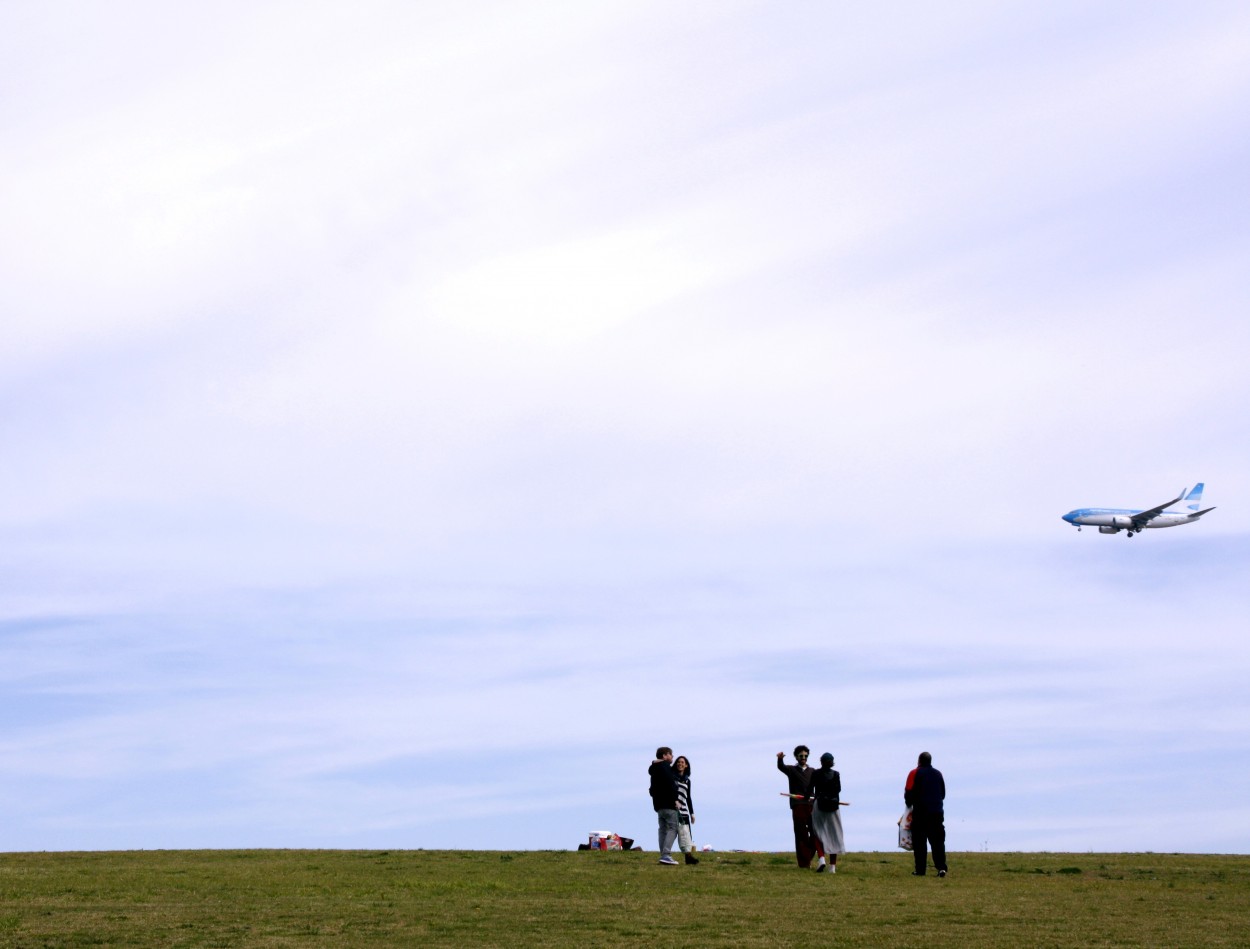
x=691, y=858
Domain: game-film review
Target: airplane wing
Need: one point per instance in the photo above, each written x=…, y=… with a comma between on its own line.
x=1142, y=518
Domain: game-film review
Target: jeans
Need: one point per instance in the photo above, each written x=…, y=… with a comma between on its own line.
x=685, y=842
x=668, y=828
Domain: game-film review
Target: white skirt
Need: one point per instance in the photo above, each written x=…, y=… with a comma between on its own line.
x=828, y=827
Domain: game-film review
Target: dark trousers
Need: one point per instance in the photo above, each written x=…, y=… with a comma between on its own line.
x=804, y=838
x=928, y=829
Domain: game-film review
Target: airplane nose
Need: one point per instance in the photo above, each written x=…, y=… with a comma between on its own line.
x=1069, y=517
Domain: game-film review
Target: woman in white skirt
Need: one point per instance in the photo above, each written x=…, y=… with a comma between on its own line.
x=826, y=817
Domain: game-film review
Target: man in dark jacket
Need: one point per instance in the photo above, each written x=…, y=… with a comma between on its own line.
x=925, y=793
x=800, y=777
x=664, y=800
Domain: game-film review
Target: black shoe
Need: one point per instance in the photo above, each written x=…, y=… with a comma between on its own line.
x=916, y=873
x=691, y=858
x=941, y=873
x=821, y=868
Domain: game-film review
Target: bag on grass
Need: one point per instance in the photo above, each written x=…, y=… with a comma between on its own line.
x=904, y=830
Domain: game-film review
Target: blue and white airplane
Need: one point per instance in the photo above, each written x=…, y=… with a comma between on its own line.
x=1110, y=520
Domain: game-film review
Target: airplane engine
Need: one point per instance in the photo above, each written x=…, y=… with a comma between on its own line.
x=1125, y=523
x=1108, y=530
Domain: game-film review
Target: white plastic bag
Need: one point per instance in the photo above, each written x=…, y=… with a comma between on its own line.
x=904, y=830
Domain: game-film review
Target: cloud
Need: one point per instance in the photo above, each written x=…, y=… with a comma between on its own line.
x=392, y=394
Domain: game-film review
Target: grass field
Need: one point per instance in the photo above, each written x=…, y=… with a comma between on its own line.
x=557, y=898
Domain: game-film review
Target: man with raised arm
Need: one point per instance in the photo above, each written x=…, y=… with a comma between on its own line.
x=800, y=777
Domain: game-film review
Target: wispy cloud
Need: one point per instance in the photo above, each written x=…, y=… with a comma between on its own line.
x=415, y=416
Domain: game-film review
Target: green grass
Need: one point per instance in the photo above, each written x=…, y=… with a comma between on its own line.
x=481, y=898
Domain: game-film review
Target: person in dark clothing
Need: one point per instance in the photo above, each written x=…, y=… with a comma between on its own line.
x=925, y=793
x=664, y=800
x=826, y=818
x=800, y=778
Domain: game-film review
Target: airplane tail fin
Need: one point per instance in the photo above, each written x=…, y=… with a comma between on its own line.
x=1193, y=500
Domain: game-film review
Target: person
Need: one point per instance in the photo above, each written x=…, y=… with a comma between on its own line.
x=800, y=778
x=664, y=800
x=925, y=793
x=685, y=809
x=826, y=817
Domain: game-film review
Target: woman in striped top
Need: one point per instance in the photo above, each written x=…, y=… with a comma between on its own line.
x=685, y=808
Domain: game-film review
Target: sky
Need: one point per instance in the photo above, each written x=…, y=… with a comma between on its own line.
x=416, y=413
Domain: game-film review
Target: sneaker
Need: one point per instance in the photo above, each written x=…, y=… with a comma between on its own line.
x=821, y=868
x=668, y=861
x=833, y=868
x=941, y=873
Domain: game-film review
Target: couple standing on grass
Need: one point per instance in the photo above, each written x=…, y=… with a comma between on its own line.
x=814, y=809
x=670, y=796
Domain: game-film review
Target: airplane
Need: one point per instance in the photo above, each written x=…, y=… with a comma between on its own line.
x=1113, y=520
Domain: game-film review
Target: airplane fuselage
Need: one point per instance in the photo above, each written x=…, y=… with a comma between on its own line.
x=1119, y=519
